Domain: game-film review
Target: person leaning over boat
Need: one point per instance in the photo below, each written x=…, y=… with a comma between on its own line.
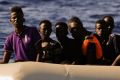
x=51, y=48
x=22, y=40
x=79, y=33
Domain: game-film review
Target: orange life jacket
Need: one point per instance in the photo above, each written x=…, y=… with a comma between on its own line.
x=92, y=39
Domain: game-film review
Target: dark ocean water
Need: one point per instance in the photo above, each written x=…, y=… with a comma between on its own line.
x=35, y=10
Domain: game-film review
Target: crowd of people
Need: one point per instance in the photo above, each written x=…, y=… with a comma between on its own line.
x=101, y=47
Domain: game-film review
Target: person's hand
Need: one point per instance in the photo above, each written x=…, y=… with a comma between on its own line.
x=1, y=62
x=46, y=45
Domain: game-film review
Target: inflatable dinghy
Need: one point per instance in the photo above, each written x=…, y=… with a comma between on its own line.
x=47, y=71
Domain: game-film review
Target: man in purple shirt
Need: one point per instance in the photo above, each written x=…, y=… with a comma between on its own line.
x=22, y=40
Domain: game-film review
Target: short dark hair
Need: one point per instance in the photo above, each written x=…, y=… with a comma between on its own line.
x=63, y=24
x=111, y=20
x=17, y=9
x=47, y=22
x=101, y=22
x=76, y=19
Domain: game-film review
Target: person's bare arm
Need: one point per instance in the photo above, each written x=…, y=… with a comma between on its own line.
x=116, y=61
x=39, y=56
x=6, y=57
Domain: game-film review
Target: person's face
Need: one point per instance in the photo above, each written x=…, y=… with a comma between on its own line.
x=44, y=30
x=61, y=31
x=16, y=19
x=101, y=30
x=75, y=30
x=108, y=21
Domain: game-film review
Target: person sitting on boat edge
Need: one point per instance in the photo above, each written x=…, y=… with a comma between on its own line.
x=22, y=40
x=114, y=39
x=51, y=48
x=68, y=49
x=101, y=53
x=79, y=33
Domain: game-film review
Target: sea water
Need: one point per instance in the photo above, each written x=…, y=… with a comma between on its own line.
x=58, y=10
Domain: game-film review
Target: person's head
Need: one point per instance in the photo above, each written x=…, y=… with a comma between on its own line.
x=61, y=29
x=110, y=21
x=45, y=28
x=75, y=27
x=17, y=16
x=101, y=28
